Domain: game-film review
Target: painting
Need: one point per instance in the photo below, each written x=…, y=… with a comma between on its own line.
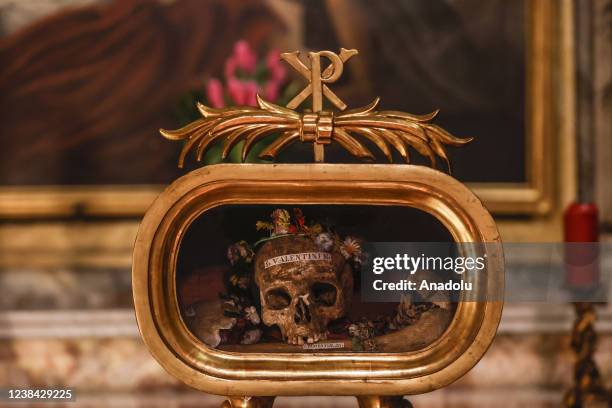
x=85, y=90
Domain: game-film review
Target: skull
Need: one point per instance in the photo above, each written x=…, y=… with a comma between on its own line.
x=302, y=288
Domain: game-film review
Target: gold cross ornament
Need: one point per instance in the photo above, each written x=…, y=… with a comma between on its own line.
x=387, y=130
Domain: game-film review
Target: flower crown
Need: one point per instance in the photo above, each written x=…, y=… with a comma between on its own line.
x=240, y=301
x=283, y=223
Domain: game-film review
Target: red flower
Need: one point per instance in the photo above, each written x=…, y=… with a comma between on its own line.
x=299, y=219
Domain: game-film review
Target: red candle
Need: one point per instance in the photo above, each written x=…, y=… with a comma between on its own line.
x=581, y=224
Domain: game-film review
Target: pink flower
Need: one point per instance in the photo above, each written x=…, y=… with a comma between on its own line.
x=245, y=57
x=242, y=92
x=242, y=89
x=242, y=58
x=230, y=68
x=278, y=72
x=214, y=93
x=270, y=91
x=236, y=91
x=250, y=89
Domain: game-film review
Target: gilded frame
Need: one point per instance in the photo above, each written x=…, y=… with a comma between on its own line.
x=543, y=121
x=549, y=62
x=464, y=342
x=549, y=127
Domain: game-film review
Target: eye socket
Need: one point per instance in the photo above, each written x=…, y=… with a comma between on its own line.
x=277, y=299
x=323, y=293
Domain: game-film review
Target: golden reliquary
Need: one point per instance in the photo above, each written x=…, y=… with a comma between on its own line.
x=243, y=287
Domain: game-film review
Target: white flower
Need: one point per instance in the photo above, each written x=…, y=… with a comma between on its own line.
x=239, y=250
x=252, y=315
x=324, y=241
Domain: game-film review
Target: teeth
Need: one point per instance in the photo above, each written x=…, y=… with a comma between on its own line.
x=300, y=340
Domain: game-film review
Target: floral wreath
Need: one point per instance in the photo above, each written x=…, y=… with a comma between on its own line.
x=241, y=297
x=327, y=239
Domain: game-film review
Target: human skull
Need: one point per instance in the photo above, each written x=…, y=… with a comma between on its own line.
x=302, y=287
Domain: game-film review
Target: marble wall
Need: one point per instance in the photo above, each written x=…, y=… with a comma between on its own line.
x=529, y=367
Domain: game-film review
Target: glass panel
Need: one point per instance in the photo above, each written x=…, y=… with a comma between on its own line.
x=277, y=278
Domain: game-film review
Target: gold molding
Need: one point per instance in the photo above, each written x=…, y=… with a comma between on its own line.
x=67, y=201
x=544, y=115
x=73, y=245
x=547, y=61
x=258, y=374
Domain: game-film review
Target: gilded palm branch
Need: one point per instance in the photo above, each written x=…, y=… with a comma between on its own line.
x=387, y=130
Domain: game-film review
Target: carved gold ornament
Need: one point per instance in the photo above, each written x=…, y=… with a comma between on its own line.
x=251, y=374
x=385, y=129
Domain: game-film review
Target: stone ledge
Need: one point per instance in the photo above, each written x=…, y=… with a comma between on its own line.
x=516, y=319
x=123, y=364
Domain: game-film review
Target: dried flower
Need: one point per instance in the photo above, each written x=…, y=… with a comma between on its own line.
x=362, y=330
x=281, y=221
x=259, y=225
x=324, y=241
x=240, y=281
x=251, y=315
x=239, y=251
x=363, y=335
x=251, y=336
x=300, y=220
x=351, y=249
x=315, y=229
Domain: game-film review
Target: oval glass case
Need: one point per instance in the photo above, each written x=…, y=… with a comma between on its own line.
x=248, y=278
x=283, y=371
